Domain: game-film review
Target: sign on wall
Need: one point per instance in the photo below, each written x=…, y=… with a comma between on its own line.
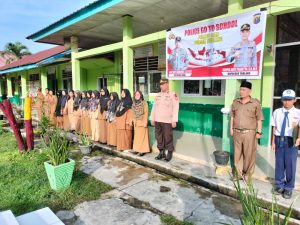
x=226, y=48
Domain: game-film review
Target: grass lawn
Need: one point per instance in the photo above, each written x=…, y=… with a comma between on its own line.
x=24, y=186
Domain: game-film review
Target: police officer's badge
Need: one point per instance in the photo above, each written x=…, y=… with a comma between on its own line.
x=256, y=18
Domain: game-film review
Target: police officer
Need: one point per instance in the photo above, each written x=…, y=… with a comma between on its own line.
x=285, y=122
x=164, y=116
x=178, y=59
x=244, y=52
x=245, y=128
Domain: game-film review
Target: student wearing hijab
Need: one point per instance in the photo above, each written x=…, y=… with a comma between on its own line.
x=65, y=118
x=140, y=120
x=94, y=114
x=69, y=110
x=85, y=122
x=124, y=121
x=89, y=97
x=38, y=103
x=52, y=107
x=46, y=103
x=104, y=98
x=58, y=114
x=111, y=119
x=76, y=111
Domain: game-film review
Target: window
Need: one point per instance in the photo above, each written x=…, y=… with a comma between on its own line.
x=140, y=80
x=154, y=78
x=34, y=77
x=203, y=87
x=102, y=82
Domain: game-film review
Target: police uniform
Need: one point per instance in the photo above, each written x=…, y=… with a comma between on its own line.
x=164, y=113
x=285, y=129
x=245, y=118
x=247, y=52
x=179, y=59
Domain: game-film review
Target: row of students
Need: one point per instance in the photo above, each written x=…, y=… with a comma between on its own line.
x=104, y=117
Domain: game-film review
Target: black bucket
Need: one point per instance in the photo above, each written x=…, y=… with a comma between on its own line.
x=221, y=157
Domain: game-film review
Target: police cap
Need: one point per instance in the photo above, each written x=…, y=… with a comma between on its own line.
x=163, y=81
x=245, y=26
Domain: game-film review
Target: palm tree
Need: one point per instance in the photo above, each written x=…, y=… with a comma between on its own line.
x=16, y=49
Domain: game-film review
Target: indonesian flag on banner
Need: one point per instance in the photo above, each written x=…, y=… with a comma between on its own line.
x=227, y=48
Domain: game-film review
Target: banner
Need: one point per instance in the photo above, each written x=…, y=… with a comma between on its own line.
x=226, y=48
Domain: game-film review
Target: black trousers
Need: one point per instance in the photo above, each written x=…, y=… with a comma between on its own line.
x=164, y=136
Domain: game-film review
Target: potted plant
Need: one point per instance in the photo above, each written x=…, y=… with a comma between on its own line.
x=221, y=157
x=85, y=144
x=60, y=167
x=44, y=128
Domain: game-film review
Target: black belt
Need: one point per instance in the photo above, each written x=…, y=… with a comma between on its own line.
x=284, y=138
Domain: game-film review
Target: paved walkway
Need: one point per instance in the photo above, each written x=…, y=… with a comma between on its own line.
x=205, y=176
x=141, y=195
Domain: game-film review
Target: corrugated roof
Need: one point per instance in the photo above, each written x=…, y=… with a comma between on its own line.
x=69, y=17
x=35, y=58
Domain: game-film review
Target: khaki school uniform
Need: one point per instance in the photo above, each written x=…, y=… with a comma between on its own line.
x=52, y=106
x=85, y=123
x=112, y=133
x=103, y=127
x=46, y=106
x=70, y=114
x=38, y=104
x=77, y=118
x=95, y=124
x=141, y=133
x=124, y=131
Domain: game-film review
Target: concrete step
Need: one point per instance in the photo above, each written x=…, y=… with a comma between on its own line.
x=39, y=217
x=8, y=218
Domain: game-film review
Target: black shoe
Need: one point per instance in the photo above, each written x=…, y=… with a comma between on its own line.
x=161, y=155
x=141, y=154
x=287, y=194
x=169, y=156
x=278, y=191
x=135, y=153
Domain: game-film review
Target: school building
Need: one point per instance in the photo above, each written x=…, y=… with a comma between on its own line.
x=122, y=43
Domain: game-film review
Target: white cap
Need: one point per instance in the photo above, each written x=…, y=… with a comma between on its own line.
x=288, y=94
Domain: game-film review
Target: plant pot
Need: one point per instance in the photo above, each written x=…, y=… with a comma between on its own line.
x=85, y=149
x=60, y=176
x=221, y=157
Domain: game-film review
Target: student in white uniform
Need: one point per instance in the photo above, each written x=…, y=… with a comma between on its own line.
x=285, y=123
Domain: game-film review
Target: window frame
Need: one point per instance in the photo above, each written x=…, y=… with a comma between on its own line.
x=223, y=83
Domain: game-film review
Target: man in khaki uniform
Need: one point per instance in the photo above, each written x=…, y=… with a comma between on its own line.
x=164, y=116
x=245, y=128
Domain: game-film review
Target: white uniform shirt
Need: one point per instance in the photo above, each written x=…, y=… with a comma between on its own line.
x=293, y=120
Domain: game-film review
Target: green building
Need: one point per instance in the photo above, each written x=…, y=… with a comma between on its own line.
x=122, y=43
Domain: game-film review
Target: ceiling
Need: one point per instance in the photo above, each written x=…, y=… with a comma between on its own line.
x=105, y=27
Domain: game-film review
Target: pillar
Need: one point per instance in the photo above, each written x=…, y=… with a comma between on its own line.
x=24, y=83
x=231, y=90
x=76, y=73
x=44, y=79
x=9, y=87
x=127, y=54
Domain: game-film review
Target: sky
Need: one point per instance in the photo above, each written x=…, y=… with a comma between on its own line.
x=20, y=18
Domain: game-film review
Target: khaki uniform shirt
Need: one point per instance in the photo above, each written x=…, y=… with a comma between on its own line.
x=165, y=107
x=245, y=116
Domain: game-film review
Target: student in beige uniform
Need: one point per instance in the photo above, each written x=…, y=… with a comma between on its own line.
x=69, y=110
x=94, y=115
x=38, y=103
x=104, y=98
x=111, y=119
x=46, y=103
x=164, y=117
x=140, y=119
x=124, y=121
x=85, y=122
x=76, y=111
x=52, y=107
x=245, y=128
x=65, y=118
